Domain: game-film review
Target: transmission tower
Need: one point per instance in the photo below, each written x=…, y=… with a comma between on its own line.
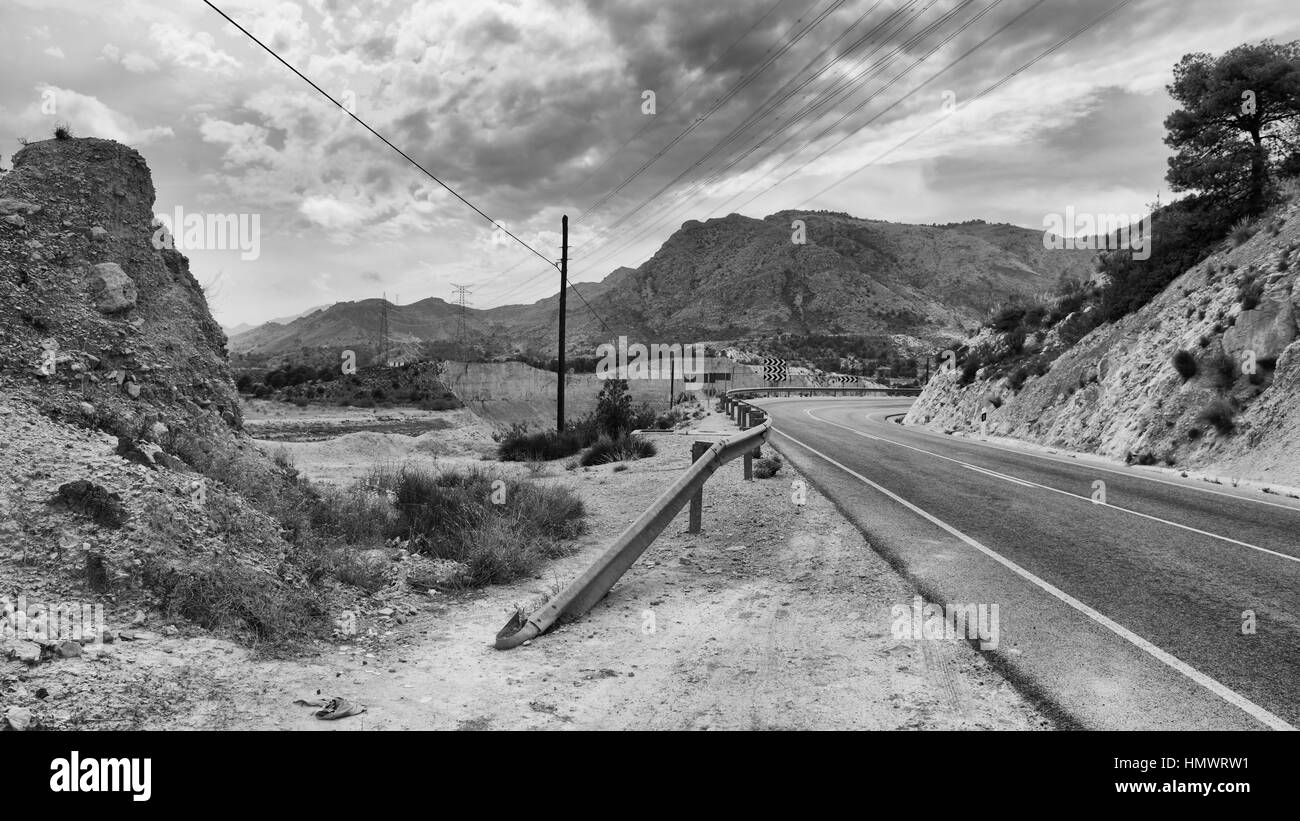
x=383, y=330
x=461, y=291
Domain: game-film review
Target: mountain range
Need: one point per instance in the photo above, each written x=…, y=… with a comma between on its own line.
x=731, y=278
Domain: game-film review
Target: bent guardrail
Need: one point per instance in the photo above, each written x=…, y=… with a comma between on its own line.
x=585, y=591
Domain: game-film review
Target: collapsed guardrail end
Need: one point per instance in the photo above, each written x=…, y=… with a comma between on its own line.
x=517, y=631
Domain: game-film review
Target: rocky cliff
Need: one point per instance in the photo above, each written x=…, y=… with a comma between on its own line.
x=1205, y=376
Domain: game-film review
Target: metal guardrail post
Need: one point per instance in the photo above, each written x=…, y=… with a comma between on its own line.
x=698, y=449
x=749, y=466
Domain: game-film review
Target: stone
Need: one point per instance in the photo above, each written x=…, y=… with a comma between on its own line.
x=157, y=432
x=1267, y=330
x=95, y=501
x=126, y=635
x=18, y=718
x=69, y=649
x=132, y=389
x=28, y=652
x=16, y=221
x=112, y=290
x=87, y=409
x=98, y=234
x=9, y=205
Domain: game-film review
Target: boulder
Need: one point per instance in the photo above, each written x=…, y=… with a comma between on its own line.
x=10, y=205
x=18, y=718
x=112, y=290
x=95, y=501
x=1266, y=330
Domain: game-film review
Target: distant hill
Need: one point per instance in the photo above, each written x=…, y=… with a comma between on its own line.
x=737, y=276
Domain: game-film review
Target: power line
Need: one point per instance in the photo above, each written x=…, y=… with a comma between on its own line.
x=686, y=90
x=366, y=126
x=1050, y=50
x=913, y=91
x=723, y=100
x=837, y=89
x=781, y=96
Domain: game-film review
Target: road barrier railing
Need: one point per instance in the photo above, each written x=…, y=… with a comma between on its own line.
x=585, y=591
x=731, y=398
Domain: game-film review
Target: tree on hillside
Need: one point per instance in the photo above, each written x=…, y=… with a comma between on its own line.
x=1237, y=125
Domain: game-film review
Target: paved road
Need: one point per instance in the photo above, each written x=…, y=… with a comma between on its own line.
x=1172, y=605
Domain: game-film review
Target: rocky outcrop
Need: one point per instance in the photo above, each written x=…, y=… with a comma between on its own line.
x=1117, y=391
x=90, y=311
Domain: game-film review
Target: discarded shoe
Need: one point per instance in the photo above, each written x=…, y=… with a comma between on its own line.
x=337, y=708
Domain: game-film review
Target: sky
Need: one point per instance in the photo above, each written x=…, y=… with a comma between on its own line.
x=629, y=116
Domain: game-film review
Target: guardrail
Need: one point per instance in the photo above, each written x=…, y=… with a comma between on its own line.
x=585, y=591
x=735, y=394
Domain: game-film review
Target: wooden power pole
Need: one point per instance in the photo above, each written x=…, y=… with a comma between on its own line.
x=564, y=286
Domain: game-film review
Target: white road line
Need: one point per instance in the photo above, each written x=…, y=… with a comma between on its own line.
x=1001, y=476
x=1091, y=466
x=1087, y=499
x=1217, y=688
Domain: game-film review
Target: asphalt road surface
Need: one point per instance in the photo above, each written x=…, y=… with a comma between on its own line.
x=1173, y=604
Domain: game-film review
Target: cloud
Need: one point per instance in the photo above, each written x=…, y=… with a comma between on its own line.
x=132, y=61
x=192, y=49
x=89, y=117
x=332, y=214
x=245, y=144
x=54, y=51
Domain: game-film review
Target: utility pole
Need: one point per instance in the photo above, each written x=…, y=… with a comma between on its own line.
x=672, y=377
x=461, y=290
x=564, y=285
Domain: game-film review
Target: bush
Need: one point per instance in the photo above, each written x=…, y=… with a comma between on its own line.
x=1185, y=364
x=1249, y=293
x=969, y=368
x=448, y=402
x=1242, y=230
x=1220, y=413
x=226, y=595
x=1017, y=379
x=624, y=448
x=62, y=131
x=767, y=468
x=455, y=515
x=1008, y=318
x=518, y=444
x=1016, y=340
x=614, y=415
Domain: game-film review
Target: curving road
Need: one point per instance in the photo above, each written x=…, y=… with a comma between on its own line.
x=1173, y=604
